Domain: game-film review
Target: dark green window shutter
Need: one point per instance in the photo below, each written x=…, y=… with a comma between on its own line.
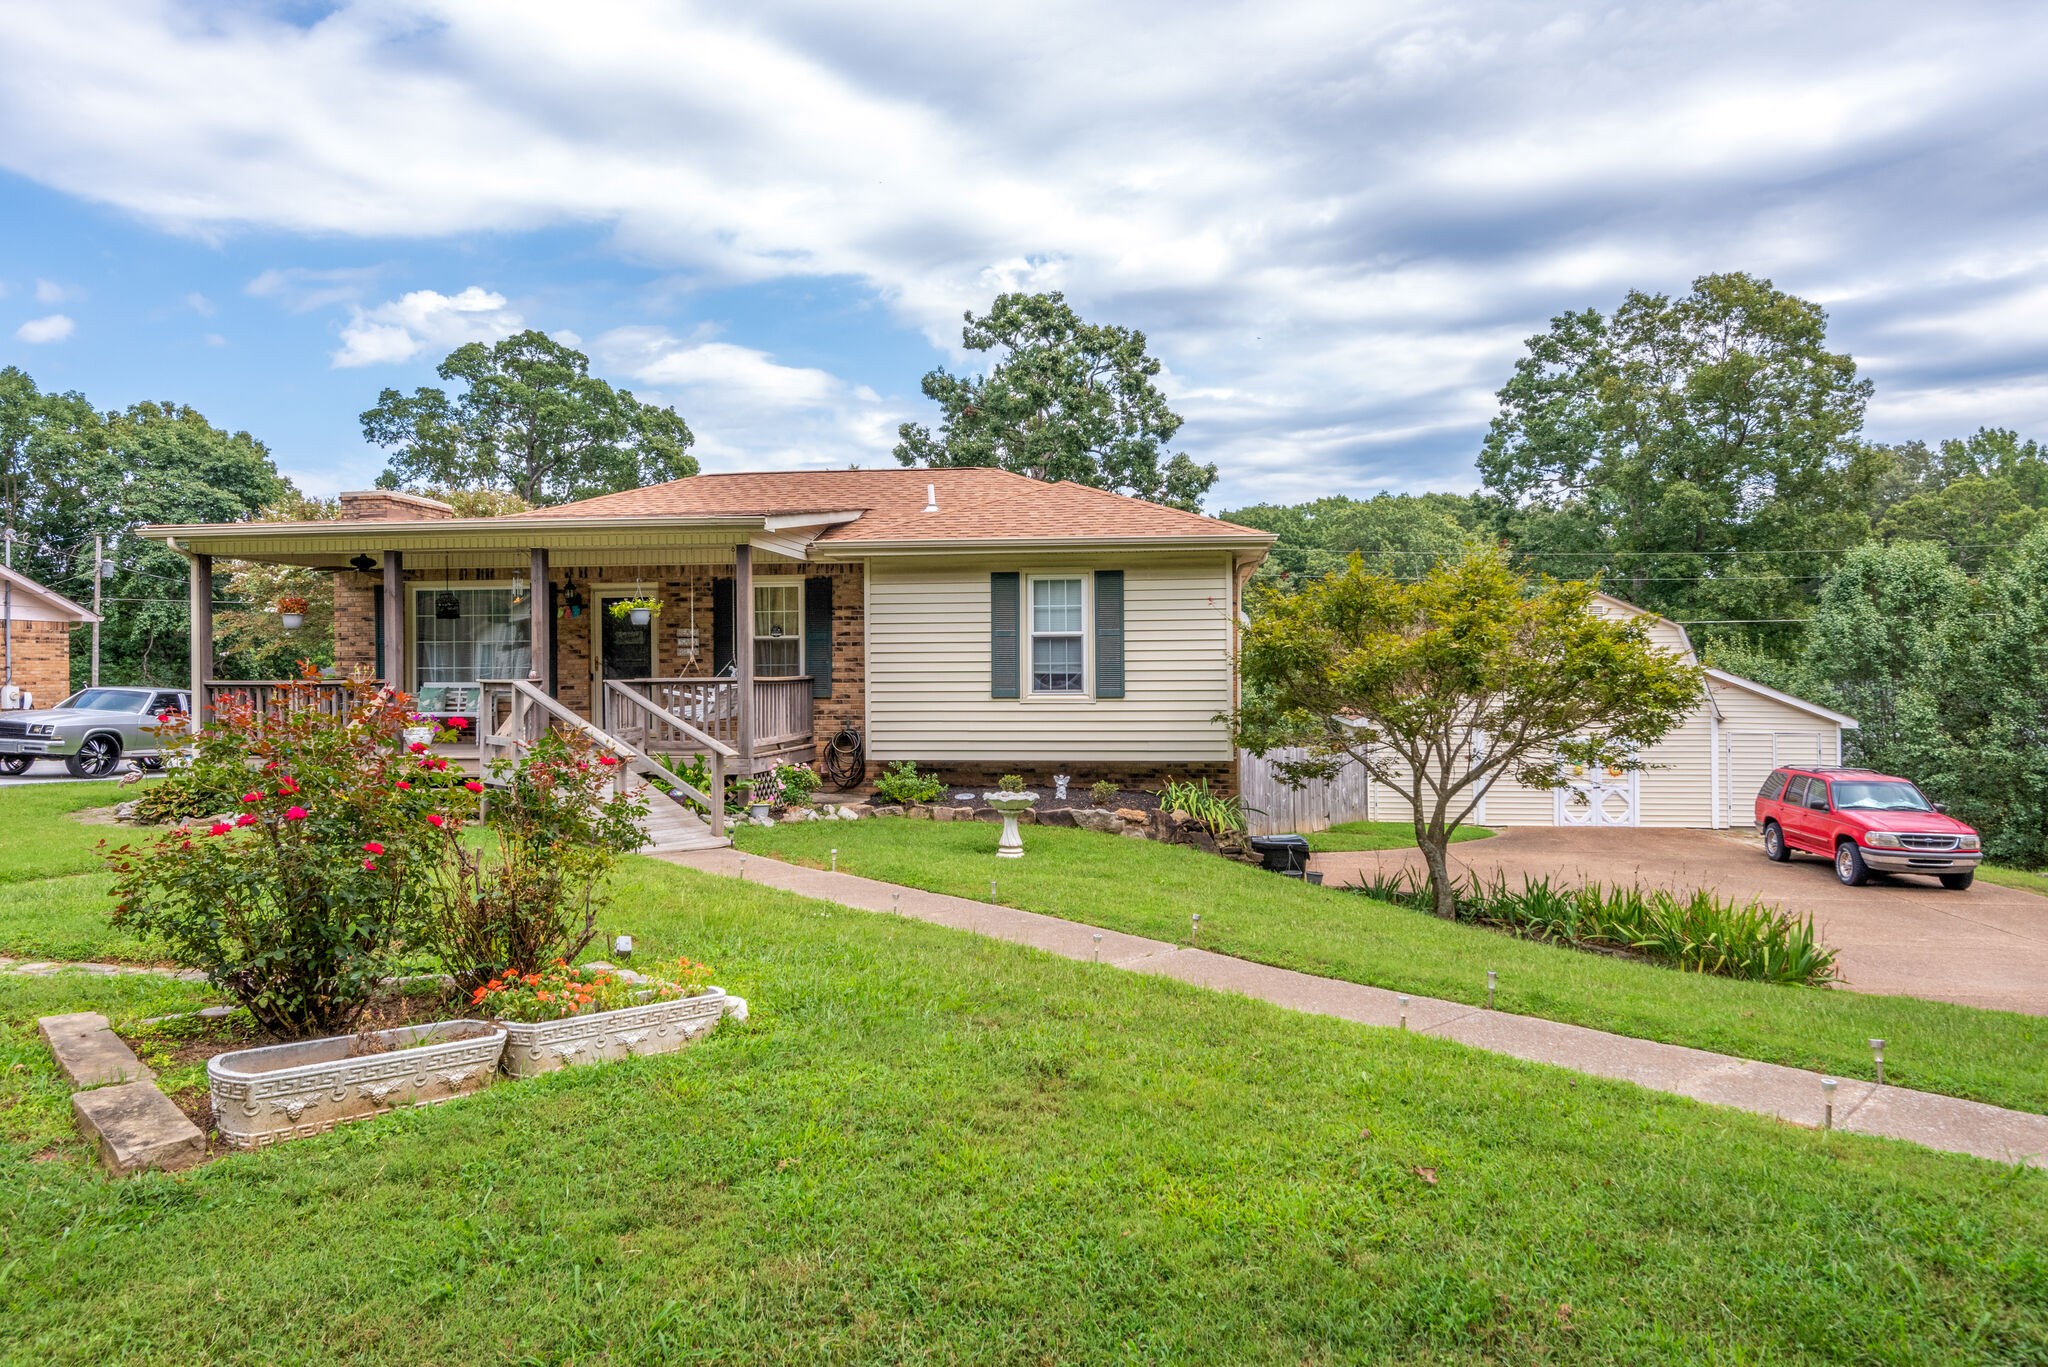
x=1109, y=633
x=818, y=634
x=1004, y=666
x=721, y=626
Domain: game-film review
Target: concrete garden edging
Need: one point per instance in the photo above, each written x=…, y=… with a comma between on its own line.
x=537, y=1047
x=291, y=1091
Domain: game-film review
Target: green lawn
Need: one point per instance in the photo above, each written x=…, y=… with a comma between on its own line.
x=1378, y=835
x=1146, y=888
x=2014, y=878
x=928, y=1147
x=53, y=894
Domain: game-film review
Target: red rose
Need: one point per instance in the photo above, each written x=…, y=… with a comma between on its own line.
x=474, y=786
x=372, y=847
x=295, y=814
x=402, y=784
x=252, y=797
x=607, y=760
x=246, y=819
x=436, y=819
x=220, y=828
x=370, y=864
x=287, y=786
x=418, y=747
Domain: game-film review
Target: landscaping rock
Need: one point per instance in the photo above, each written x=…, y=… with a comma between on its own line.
x=1056, y=816
x=854, y=811
x=135, y=1126
x=945, y=813
x=1136, y=816
x=1097, y=819
x=888, y=809
x=90, y=1054
x=986, y=814
x=918, y=811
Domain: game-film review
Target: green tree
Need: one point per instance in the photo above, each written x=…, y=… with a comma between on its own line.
x=532, y=420
x=1695, y=450
x=249, y=636
x=1065, y=400
x=1437, y=685
x=1399, y=534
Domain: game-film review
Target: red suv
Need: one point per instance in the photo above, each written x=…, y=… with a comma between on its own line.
x=1864, y=822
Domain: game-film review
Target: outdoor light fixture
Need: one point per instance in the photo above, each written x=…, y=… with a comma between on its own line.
x=1877, y=1052
x=1098, y=946
x=447, y=607
x=623, y=946
x=835, y=861
x=1195, y=928
x=1827, y=1103
x=362, y=563
x=1404, y=1011
x=1492, y=981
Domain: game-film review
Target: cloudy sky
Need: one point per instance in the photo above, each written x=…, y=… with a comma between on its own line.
x=1335, y=221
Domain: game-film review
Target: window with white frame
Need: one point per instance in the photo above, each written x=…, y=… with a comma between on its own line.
x=778, y=627
x=463, y=633
x=1056, y=636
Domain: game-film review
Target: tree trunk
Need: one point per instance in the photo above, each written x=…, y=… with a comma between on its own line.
x=1436, y=852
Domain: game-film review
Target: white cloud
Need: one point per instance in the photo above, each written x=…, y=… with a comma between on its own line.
x=400, y=329
x=747, y=410
x=1346, y=214
x=49, y=292
x=199, y=304
x=54, y=328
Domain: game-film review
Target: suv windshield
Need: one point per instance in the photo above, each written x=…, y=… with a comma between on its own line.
x=1862, y=795
x=107, y=700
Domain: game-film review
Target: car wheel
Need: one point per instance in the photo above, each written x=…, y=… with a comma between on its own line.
x=1849, y=865
x=96, y=757
x=1775, y=848
x=1956, y=882
x=12, y=765
x=151, y=763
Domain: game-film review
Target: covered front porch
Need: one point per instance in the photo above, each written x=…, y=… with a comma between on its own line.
x=679, y=637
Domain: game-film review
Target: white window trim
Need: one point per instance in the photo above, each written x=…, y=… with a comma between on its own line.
x=416, y=587
x=1031, y=692
x=753, y=608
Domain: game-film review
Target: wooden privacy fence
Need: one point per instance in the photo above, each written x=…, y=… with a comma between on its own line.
x=1273, y=808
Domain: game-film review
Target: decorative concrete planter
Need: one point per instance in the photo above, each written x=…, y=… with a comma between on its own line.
x=289, y=1091
x=656, y=1028
x=1007, y=805
x=419, y=735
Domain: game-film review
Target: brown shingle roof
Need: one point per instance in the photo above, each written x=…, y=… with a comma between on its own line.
x=974, y=505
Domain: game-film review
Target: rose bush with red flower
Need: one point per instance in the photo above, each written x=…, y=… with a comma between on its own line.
x=280, y=906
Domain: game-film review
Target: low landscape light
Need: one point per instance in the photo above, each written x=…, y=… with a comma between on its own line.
x=1492, y=981
x=1827, y=1103
x=1404, y=1011
x=1098, y=946
x=622, y=946
x=1877, y=1054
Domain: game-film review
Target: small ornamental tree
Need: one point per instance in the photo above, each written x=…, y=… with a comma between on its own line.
x=1436, y=687
x=528, y=895
x=300, y=899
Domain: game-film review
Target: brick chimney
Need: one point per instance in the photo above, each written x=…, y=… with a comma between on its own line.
x=389, y=505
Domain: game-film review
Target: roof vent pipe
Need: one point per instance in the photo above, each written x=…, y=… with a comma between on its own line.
x=931, y=498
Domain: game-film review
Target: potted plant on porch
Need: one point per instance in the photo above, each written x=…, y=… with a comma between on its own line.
x=291, y=612
x=638, y=611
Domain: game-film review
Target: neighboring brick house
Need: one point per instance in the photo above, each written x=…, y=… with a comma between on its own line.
x=974, y=621
x=35, y=640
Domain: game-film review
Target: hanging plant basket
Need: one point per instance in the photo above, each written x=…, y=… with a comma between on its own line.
x=291, y=612
x=638, y=611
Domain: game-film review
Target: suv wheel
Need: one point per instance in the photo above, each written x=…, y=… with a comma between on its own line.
x=96, y=757
x=1956, y=882
x=1775, y=848
x=1849, y=865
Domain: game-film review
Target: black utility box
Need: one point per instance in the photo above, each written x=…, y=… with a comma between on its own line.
x=1285, y=854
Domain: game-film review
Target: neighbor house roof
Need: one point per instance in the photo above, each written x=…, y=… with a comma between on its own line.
x=970, y=505
x=29, y=601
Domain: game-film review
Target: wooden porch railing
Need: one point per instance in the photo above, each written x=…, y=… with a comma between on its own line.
x=512, y=714
x=782, y=708
x=782, y=712
x=272, y=697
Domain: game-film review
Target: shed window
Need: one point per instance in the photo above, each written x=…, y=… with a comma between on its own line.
x=778, y=628
x=1057, y=662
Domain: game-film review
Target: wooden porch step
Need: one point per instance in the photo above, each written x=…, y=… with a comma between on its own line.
x=672, y=826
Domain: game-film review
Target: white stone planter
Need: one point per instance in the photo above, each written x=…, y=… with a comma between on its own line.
x=289, y=1091
x=656, y=1028
x=1011, y=845
x=419, y=735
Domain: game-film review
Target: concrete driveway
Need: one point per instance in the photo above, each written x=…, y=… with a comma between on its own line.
x=1904, y=936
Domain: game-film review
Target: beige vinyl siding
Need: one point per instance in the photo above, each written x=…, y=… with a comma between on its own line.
x=928, y=664
x=1758, y=733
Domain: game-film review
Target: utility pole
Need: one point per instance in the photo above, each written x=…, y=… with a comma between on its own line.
x=99, y=567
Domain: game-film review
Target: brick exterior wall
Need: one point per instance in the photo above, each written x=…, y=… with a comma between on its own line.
x=42, y=660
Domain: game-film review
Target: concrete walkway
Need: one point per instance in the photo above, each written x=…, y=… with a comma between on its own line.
x=1791, y=1094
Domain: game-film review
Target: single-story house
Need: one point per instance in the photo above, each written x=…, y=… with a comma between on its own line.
x=35, y=638
x=1705, y=773
x=973, y=621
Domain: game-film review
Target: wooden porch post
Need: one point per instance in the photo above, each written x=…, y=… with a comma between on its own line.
x=393, y=607
x=202, y=633
x=537, y=673
x=743, y=652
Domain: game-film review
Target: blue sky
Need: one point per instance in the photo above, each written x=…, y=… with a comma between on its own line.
x=1336, y=222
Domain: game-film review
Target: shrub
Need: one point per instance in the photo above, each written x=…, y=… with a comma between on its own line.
x=529, y=894
x=1219, y=815
x=1102, y=792
x=559, y=991
x=1010, y=783
x=902, y=783
x=302, y=900
x=1697, y=931
x=798, y=783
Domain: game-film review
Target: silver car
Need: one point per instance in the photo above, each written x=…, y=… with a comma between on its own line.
x=91, y=730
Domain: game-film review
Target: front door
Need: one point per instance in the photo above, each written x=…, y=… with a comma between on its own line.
x=624, y=651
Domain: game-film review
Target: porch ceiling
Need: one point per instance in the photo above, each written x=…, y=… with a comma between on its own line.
x=486, y=542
